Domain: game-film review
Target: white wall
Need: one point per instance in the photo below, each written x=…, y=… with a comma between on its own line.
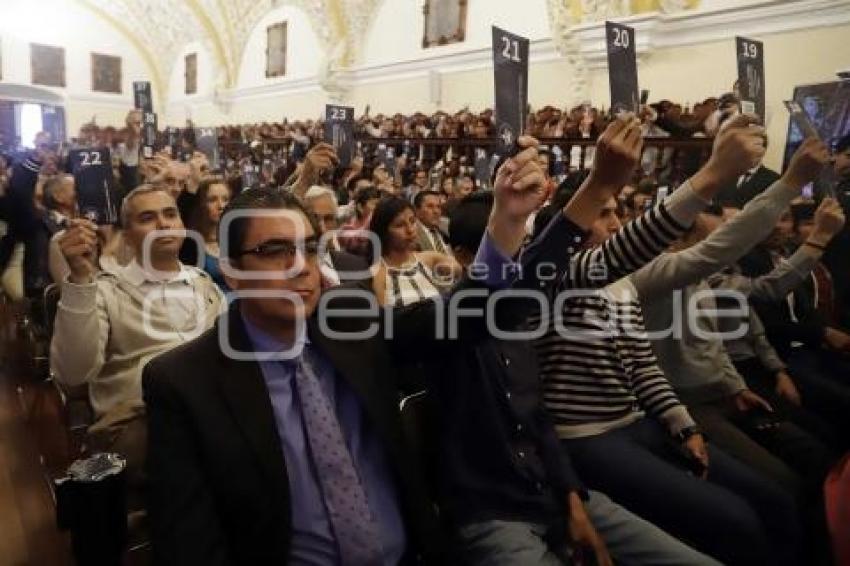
x=64, y=23
x=255, y=98
x=395, y=37
x=198, y=106
x=391, y=73
x=692, y=73
x=396, y=32
x=303, y=53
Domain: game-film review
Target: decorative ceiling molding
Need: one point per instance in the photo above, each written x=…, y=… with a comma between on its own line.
x=214, y=38
x=659, y=30
x=159, y=86
x=161, y=29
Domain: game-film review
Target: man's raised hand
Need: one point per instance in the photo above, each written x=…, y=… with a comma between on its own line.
x=79, y=246
x=806, y=164
x=739, y=147
x=518, y=191
x=617, y=153
x=519, y=186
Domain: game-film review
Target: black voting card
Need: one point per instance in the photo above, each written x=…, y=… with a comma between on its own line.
x=801, y=119
x=206, y=141
x=510, y=78
x=92, y=170
x=149, y=133
x=750, y=55
x=142, y=96
x=339, y=131
x=622, y=68
x=172, y=140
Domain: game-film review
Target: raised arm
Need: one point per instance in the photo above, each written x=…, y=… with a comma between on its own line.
x=460, y=313
x=81, y=328
x=319, y=159
x=638, y=243
x=738, y=236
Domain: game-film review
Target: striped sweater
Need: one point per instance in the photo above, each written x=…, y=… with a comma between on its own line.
x=598, y=367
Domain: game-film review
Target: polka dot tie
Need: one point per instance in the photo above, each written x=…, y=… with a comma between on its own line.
x=345, y=498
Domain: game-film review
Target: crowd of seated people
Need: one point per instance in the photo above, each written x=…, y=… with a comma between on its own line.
x=586, y=416
x=666, y=117
x=268, y=153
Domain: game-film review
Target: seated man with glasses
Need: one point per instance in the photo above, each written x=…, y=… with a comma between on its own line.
x=284, y=443
x=108, y=325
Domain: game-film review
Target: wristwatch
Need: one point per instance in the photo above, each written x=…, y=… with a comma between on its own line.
x=688, y=432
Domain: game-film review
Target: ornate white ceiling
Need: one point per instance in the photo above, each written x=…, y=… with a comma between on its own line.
x=160, y=29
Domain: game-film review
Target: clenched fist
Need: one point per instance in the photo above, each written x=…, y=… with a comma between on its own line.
x=617, y=153
x=79, y=246
x=519, y=186
x=829, y=219
x=807, y=163
x=737, y=149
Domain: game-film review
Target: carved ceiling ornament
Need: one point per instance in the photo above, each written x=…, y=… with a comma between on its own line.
x=163, y=28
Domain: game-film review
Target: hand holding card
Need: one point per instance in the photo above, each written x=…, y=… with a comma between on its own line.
x=751, y=89
x=79, y=246
x=206, y=141
x=92, y=170
x=149, y=131
x=339, y=132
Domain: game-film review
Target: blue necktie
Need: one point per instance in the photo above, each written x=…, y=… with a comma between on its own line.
x=345, y=498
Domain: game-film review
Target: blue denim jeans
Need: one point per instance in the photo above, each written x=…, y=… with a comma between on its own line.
x=630, y=540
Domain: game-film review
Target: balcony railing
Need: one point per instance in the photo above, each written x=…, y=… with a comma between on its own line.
x=664, y=152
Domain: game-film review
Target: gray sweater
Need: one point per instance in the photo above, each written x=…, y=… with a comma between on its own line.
x=753, y=345
x=684, y=335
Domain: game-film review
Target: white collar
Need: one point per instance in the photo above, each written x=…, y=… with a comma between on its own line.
x=135, y=275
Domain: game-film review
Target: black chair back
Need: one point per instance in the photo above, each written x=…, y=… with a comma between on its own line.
x=420, y=427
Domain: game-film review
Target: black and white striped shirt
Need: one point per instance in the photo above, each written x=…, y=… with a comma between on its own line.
x=598, y=368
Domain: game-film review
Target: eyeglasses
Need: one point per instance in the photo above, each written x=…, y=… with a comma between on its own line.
x=283, y=249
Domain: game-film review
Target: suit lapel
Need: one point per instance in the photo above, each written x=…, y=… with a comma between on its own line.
x=246, y=395
x=424, y=240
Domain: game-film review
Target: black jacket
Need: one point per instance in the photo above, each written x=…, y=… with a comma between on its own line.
x=781, y=329
x=348, y=265
x=755, y=185
x=218, y=487
x=37, y=274
x=836, y=258
x=498, y=455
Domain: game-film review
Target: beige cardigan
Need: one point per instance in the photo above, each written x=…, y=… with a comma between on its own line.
x=104, y=338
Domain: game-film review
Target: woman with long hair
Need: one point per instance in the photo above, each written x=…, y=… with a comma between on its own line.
x=404, y=275
x=213, y=196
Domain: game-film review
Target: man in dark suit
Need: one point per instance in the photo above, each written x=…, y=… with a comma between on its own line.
x=752, y=183
x=838, y=252
x=284, y=443
x=816, y=353
x=428, y=213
